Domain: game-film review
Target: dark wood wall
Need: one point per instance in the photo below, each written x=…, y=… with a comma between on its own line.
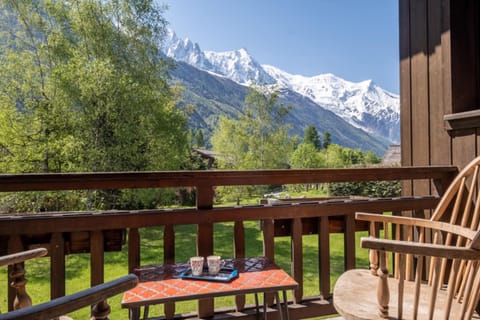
x=439, y=83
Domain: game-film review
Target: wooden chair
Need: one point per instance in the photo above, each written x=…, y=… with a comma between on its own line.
x=56, y=308
x=436, y=262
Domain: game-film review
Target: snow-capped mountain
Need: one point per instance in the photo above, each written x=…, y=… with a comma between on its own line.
x=364, y=105
x=237, y=65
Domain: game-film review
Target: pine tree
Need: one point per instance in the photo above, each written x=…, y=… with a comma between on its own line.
x=311, y=136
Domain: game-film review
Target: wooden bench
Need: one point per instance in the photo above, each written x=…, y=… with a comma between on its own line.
x=436, y=261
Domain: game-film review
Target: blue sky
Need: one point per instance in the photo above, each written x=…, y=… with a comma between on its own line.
x=353, y=39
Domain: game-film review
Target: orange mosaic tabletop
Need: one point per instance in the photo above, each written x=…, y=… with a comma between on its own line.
x=161, y=283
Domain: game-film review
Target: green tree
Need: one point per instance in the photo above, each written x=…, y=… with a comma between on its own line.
x=259, y=138
x=311, y=136
x=83, y=88
x=327, y=139
x=199, y=139
x=306, y=156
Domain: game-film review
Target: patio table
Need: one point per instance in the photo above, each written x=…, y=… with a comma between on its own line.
x=163, y=284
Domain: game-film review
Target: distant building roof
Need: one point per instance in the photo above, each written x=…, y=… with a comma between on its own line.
x=208, y=155
x=392, y=156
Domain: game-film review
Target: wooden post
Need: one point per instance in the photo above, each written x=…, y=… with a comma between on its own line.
x=324, y=256
x=57, y=269
x=169, y=257
x=268, y=239
x=133, y=249
x=239, y=248
x=383, y=294
x=349, y=241
x=205, y=195
x=373, y=254
x=297, y=257
x=101, y=310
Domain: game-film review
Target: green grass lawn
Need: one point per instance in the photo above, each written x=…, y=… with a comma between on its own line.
x=78, y=269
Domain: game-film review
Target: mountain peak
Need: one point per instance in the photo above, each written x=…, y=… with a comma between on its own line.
x=363, y=104
x=237, y=65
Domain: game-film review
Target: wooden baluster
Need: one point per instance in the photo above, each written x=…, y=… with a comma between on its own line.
x=14, y=245
x=401, y=283
x=169, y=257
x=15, y=261
x=383, y=294
x=101, y=310
x=409, y=257
x=17, y=275
x=297, y=256
x=133, y=249
x=239, y=248
x=324, y=256
x=204, y=199
x=269, y=248
x=57, y=265
x=349, y=242
x=133, y=254
x=268, y=239
x=373, y=254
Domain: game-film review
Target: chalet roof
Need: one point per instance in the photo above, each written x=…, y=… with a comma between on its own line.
x=392, y=156
x=208, y=154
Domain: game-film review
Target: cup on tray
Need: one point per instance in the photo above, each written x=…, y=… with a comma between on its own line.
x=196, y=264
x=214, y=264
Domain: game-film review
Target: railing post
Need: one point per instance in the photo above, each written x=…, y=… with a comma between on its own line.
x=349, y=241
x=297, y=256
x=169, y=257
x=324, y=256
x=101, y=310
x=268, y=238
x=57, y=268
x=204, y=199
x=133, y=249
x=239, y=249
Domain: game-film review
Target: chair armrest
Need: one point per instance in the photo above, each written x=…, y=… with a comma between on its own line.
x=416, y=222
x=64, y=305
x=22, y=256
x=423, y=249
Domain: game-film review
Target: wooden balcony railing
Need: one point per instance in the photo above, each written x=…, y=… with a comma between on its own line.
x=317, y=216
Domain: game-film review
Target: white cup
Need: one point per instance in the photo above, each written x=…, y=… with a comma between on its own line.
x=214, y=265
x=196, y=263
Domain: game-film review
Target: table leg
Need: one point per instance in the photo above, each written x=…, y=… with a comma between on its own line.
x=257, y=308
x=285, y=302
x=169, y=310
x=279, y=305
x=264, y=306
x=146, y=309
x=134, y=313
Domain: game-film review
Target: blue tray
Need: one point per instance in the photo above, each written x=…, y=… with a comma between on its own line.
x=225, y=275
